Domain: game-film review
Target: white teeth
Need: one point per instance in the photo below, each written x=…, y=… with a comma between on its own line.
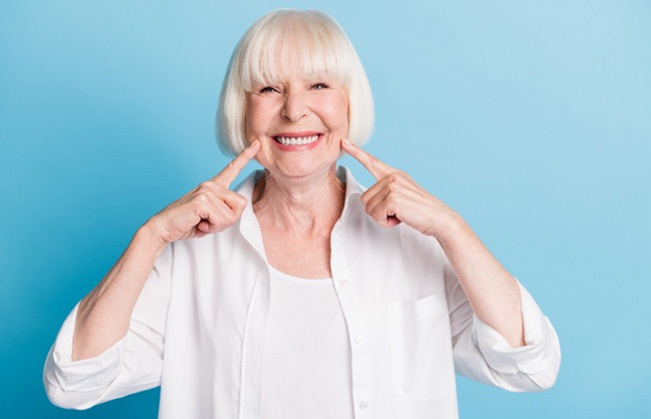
x=297, y=140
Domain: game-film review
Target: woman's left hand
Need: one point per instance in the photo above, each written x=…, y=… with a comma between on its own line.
x=396, y=198
x=493, y=293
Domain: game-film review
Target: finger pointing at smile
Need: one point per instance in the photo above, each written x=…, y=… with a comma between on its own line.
x=397, y=198
x=377, y=168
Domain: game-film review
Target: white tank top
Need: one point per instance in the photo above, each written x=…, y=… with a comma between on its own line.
x=306, y=370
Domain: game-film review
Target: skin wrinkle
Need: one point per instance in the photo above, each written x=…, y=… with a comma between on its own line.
x=295, y=209
x=299, y=218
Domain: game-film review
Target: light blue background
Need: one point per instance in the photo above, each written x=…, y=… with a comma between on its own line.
x=532, y=119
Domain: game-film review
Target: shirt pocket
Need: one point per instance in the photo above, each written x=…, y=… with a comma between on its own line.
x=421, y=348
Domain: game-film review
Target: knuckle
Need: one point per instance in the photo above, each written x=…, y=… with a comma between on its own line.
x=235, y=200
x=240, y=201
x=202, y=199
x=393, y=187
x=203, y=186
x=395, y=176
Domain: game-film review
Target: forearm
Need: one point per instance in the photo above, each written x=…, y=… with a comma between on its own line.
x=492, y=292
x=103, y=316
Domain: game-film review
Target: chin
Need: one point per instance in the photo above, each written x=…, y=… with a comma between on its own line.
x=300, y=169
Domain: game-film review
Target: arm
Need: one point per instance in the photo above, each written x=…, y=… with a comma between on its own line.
x=132, y=364
x=484, y=355
x=112, y=343
x=104, y=315
x=493, y=294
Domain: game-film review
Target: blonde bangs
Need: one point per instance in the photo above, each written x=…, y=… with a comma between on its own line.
x=290, y=46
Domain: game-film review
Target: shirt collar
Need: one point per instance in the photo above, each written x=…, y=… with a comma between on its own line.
x=353, y=189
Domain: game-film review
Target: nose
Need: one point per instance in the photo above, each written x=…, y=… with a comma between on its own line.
x=295, y=107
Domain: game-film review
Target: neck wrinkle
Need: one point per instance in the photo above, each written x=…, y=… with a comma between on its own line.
x=301, y=206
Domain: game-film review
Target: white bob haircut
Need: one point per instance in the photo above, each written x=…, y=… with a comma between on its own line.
x=310, y=42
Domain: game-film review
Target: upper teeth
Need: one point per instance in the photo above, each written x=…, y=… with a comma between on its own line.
x=297, y=140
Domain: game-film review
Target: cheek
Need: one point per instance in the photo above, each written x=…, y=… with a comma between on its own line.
x=249, y=123
x=255, y=119
x=336, y=117
x=339, y=114
x=263, y=157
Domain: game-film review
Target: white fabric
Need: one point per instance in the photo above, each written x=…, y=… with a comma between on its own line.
x=306, y=360
x=199, y=327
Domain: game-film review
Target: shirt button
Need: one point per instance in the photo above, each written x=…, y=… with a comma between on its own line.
x=363, y=404
x=359, y=340
x=343, y=283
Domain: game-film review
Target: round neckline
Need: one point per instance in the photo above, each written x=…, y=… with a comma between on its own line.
x=296, y=280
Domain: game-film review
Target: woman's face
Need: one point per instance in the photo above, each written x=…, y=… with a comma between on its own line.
x=300, y=123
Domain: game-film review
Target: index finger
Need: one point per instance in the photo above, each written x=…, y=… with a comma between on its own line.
x=230, y=172
x=374, y=165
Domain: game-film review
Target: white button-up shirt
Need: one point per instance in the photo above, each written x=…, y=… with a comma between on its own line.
x=199, y=325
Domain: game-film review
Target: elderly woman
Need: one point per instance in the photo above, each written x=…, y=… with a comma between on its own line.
x=300, y=294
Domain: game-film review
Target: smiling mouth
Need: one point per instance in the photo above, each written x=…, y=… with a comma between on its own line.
x=297, y=140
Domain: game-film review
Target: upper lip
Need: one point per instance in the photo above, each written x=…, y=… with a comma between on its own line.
x=297, y=134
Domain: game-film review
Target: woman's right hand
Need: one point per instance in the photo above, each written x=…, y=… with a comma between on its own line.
x=209, y=208
x=103, y=316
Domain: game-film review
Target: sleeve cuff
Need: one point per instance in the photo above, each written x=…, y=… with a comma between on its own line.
x=87, y=375
x=540, y=339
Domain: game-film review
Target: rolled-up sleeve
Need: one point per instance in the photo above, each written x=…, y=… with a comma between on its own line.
x=132, y=364
x=78, y=384
x=482, y=354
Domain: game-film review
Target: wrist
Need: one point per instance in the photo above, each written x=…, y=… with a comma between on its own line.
x=452, y=227
x=150, y=236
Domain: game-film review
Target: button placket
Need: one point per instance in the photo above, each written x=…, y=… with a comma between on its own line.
x=354, y=316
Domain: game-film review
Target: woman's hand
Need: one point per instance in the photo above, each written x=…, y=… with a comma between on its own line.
x=209, y=208
x=103, y=316
x=493, y=293
x=396, y=198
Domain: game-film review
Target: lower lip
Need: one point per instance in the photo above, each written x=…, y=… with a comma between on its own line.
x=298, y=147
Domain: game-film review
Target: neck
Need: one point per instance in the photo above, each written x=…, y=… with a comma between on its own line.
x=299, y=204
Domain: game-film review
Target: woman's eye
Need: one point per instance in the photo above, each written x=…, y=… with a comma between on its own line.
x=268, y=89
x=320, y=86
